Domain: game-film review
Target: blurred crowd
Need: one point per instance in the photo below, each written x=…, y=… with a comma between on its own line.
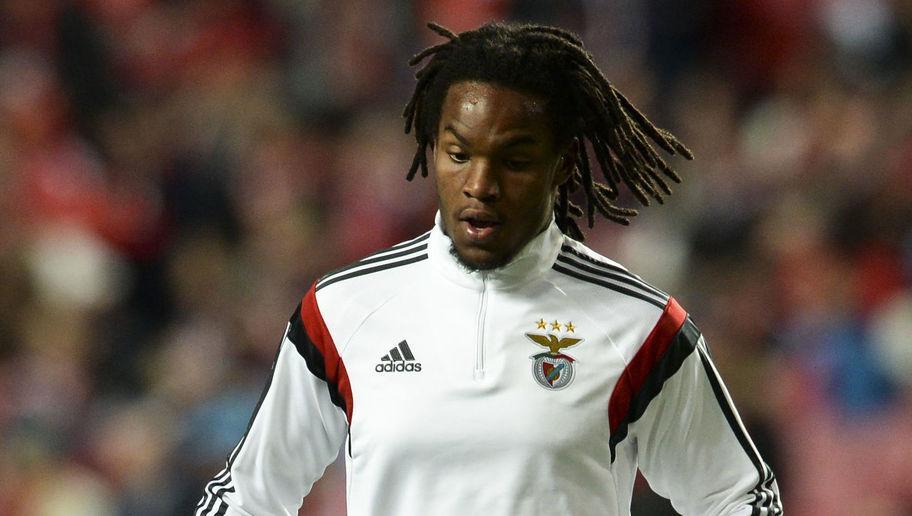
x=175, y=173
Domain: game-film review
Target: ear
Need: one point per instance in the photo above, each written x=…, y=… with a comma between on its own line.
x=566, y=163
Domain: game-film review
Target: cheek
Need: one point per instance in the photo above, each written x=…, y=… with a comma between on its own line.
x=441, y=168
x=535, y=196
x=446, y=183
x=445, y=179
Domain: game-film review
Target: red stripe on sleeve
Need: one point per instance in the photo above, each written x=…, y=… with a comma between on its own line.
x=636, y=372
x=319, y=334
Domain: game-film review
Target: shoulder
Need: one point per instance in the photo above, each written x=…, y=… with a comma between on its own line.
x=372, y=278
x=400, y=255
x=626, y=306
x=592, y=271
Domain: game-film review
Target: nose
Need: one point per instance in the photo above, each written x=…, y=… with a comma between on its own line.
x=481, y=182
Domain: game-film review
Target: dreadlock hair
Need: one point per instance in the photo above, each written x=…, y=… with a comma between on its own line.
x=551, y=63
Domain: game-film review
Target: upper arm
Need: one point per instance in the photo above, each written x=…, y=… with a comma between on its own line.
x=690, y=442
x=296, y=430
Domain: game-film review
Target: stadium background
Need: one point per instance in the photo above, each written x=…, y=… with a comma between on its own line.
x=174, y=174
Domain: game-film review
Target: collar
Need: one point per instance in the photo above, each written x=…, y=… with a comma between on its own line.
x=536, y=257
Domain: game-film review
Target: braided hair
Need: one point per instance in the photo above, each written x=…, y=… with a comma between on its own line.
x=581, y=103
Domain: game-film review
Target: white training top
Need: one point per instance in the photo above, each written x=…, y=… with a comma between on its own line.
x=536, y=388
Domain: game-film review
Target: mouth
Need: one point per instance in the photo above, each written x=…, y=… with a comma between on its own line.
x=479, y=225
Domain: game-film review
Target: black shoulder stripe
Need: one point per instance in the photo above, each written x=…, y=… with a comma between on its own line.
x=610, y=275
x=402, y=245
x=368, y=261
x=611, y=286
x=617, y=270
x=765, y=499
x=399, y=246
x=383, y=254
x=420, y=238
x=371, y=270
x=680, y=348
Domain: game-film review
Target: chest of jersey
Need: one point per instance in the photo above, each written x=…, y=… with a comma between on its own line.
x=480, y=372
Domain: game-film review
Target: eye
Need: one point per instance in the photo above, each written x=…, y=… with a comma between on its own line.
x=458, y=157
x=517, y=164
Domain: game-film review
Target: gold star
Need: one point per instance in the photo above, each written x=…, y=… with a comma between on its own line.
x=541, y=324
x=555, y=326
x=570, y=327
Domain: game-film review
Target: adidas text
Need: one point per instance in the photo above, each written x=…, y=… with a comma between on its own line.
x=398, y=367
x=400, y=359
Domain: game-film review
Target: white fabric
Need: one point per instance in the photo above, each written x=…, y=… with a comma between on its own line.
x=473, y=432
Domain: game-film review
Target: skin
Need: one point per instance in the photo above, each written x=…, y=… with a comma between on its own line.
x=497, y=168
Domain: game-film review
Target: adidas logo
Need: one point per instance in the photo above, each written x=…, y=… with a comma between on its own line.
x=399, y=360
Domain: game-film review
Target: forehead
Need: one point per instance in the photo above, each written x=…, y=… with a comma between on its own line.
x=483, y=110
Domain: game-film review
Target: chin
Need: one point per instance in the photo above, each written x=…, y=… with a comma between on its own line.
x=482, y=264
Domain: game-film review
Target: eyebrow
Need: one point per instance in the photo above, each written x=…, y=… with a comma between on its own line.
x=455, y=133
x=513, y=142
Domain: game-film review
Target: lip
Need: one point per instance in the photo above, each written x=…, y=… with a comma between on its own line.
x=488, y=216
x=470, y=217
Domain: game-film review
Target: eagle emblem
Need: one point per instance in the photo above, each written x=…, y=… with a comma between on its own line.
x=552, y=369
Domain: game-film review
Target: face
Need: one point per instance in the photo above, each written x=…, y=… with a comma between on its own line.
x=497, y=169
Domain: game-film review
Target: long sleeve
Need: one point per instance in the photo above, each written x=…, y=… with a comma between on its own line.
x=296, y=430
x=691, y=445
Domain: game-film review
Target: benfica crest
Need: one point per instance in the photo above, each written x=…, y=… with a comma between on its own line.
x=552, y=369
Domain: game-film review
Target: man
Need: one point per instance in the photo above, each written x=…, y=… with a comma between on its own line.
x=495, y=365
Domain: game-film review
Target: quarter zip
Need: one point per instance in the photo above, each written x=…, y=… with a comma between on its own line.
x=479, y=372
